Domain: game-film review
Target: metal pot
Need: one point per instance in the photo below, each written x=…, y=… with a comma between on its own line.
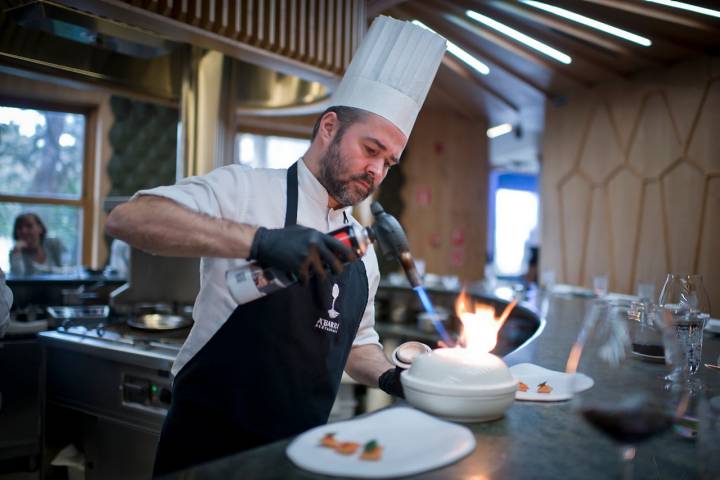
x=157, y=321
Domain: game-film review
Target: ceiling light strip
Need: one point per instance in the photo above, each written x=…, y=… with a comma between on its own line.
x=589, y=22
x=688, y=6
x=460, y=53
x=520, y=37
x=498, y=130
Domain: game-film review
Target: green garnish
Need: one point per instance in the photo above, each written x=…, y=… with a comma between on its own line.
x=371, y=445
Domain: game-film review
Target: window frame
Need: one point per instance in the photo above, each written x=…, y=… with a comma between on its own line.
x=86, y=201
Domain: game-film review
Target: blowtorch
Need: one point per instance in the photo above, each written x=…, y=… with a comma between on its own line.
x=392, y=241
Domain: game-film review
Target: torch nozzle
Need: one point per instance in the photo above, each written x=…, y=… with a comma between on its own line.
x=408, y=264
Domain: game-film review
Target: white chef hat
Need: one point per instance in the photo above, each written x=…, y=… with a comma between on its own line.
x=391, y=71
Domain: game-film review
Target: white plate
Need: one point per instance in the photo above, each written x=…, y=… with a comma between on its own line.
x=412, y=442
x=713, y=325
x=561, y=383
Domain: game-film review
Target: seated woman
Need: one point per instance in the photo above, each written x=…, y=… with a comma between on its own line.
x=6, y=300
x=33, y=252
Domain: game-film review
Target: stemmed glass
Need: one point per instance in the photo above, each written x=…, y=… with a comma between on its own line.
x=628, y=401
x=685, y=303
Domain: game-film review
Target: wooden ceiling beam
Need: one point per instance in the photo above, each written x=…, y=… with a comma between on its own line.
x=658, y=12
x=438, y=23
x=595, y=63
x=376, y=7
x=552, y=21
x=459, y=105
x=501, y=41
x=587, y=34
x=669, y=39
x=464, y=72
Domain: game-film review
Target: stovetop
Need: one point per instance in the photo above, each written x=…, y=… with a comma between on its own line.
x=114, y=340
x=119, y=332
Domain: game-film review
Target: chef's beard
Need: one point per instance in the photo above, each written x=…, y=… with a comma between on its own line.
x=337, y=182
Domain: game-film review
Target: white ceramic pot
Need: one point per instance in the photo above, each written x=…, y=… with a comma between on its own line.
x=460, y=385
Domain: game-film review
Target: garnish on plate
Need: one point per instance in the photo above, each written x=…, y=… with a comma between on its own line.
x=544, y=388
x=372, y=451
x=347, y=448
x=522, y=387
x=329, y=441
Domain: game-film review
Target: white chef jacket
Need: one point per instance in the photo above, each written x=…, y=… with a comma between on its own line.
x=255, y=197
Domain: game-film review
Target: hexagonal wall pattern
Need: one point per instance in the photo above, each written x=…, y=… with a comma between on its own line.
x=683, y=196
x=624, y=100
x=575, y=202
x=571, y=127
x=709, y=256
x=664, y=203
x=655, y=144
x=624, y=195
x=704, y=148
x=684, y=97
x=601, y=152
x=651, y=260
x=597, y=256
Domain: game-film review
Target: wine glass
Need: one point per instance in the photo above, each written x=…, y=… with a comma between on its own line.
x=685, y=302
x=629, y=401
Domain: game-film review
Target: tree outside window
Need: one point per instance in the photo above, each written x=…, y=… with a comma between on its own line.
x=42, y=162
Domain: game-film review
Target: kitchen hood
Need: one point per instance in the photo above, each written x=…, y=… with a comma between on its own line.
x=78, y=26
x=288, y=54
x=56, y=41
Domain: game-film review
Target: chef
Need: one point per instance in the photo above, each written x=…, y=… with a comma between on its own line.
x=254, y=373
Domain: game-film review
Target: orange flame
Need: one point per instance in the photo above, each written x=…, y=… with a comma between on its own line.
x=480, y=327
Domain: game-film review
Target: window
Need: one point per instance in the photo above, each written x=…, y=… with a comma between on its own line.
x=513, y=219
x=259, y=151
x=43, y=168
x=516, y=213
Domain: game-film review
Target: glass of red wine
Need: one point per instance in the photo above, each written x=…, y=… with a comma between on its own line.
x=630, y=400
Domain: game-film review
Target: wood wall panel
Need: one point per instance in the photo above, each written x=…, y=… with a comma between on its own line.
x=624, y=195
x=684, y=97
x=575, y=203
x=601, y=153
x=445, y=194
x=704, y=147
x=655, y=143
x=599, y=242
x=650, y=255
x=663, y=196
x=625, y=102
x=572, y=128
x=709, y=255
x=683, y=196
x=550, y=211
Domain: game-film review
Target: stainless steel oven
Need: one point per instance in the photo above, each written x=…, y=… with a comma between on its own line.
x=108, y=391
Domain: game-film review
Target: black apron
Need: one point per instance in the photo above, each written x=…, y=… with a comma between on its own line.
x=271, y=371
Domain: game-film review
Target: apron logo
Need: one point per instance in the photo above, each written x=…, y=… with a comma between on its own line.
x=329, y=325
x=335, y=293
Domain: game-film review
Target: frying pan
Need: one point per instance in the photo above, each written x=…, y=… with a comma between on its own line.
x=159, y=321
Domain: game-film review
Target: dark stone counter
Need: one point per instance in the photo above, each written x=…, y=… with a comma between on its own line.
x=533, y=441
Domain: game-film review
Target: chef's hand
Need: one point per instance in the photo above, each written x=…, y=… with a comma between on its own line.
x=299, y=250
x=389, y=382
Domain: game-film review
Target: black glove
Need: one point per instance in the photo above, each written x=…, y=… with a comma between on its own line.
x=389, y=382
x=299, y=250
